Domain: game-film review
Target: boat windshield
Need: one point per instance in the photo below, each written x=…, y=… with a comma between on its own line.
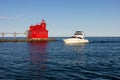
x=73, y=37
x=76, y=37
x=79, y=37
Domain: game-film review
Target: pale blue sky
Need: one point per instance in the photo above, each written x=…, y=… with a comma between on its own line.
x=63, y=17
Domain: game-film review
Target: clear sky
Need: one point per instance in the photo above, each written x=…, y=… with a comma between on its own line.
x=63, y=17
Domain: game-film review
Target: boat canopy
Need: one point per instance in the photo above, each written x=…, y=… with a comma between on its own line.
x=78, y=33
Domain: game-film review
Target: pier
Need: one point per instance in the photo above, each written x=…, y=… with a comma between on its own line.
x=22, y=40
x=28, y=40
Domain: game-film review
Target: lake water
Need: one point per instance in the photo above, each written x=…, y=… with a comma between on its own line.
x=97, y=60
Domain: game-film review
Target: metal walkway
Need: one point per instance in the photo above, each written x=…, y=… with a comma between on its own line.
x=14, y=34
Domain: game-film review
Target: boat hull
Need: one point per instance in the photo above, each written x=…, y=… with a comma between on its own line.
x=75, y=40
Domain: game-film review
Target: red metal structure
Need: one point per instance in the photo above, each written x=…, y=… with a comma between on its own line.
x=38, y=31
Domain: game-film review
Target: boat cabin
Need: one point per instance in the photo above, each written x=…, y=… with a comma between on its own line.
x=79, y=33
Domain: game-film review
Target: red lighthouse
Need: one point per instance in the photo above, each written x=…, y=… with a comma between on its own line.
x=38, y=31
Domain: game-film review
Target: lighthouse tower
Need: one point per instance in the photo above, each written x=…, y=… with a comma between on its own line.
x=38, y=31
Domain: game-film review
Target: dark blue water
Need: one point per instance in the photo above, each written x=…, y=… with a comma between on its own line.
x=97, y=60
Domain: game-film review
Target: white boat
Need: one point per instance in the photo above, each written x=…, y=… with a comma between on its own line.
x=78, y=37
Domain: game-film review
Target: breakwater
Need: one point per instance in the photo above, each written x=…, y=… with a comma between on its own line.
x=28, y=40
